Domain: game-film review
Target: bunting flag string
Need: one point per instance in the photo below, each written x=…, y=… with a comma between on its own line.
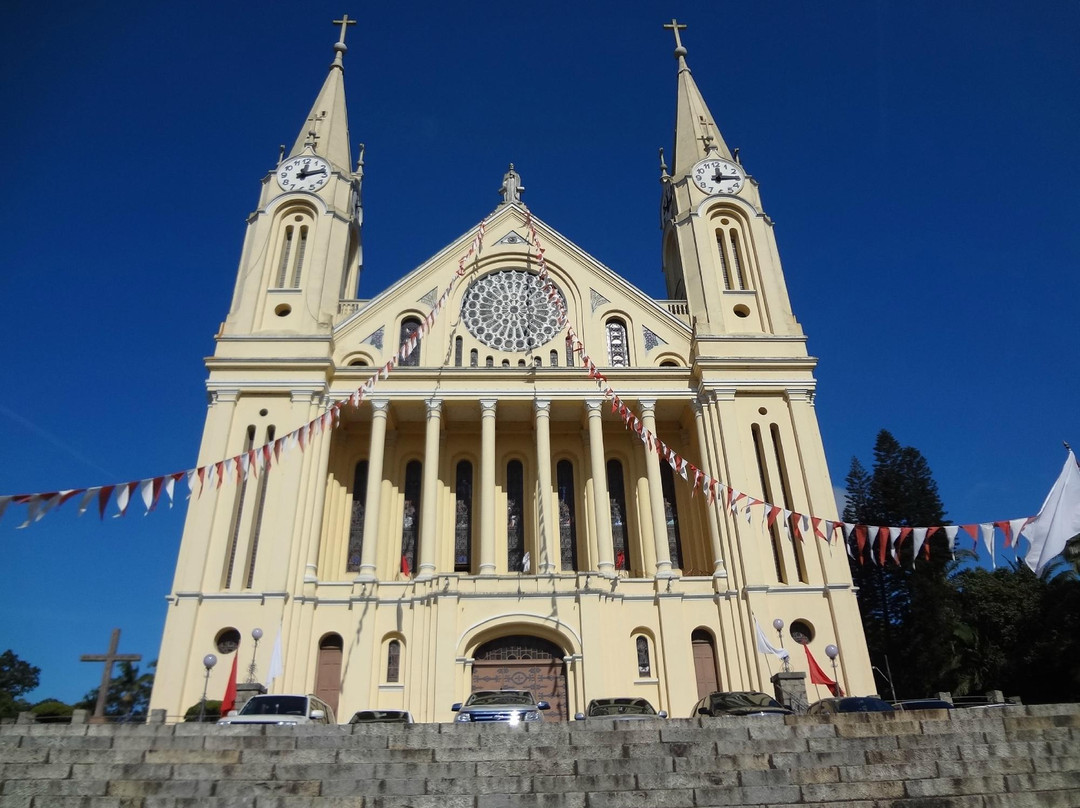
x=878, y=543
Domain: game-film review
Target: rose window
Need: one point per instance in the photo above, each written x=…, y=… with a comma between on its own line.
x=509, y=311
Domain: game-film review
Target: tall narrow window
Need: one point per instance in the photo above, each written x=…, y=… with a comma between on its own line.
x=644, y=666
x=463, y=518
x=286, y=252
x=569, y=352
x=410, y=520
x=393, y=662
x=301, y=249
x=238, y=513
x=785, y=490
x=736, y=257
x=766, y=490
x=671, y=516
x=458, y=349
x=564, y=473
x=260, y=507
x=515, y=516
x=554, y=359
x=410, y=326
x=356, y=521
x=721, y=248
x=474, y=358
x=617, y=499
x=618, y=350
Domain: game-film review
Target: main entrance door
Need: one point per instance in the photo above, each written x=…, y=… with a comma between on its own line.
x=524, y=663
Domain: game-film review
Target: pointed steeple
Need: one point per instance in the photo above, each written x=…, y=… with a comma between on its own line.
x=326, y=129
x=696, y=133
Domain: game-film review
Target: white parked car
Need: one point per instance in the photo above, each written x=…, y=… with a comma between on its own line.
x=283, y=710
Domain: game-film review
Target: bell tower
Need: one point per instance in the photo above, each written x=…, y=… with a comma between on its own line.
x=302, y=250
x=718, y=249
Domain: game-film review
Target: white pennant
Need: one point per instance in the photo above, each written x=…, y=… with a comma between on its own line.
x=919, y=535
x=146, y=491
x=950, y=533
x=987, y=530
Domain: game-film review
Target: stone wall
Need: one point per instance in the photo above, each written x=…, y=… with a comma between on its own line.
x=1009, y=757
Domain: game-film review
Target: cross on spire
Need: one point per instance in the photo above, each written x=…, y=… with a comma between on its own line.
x=106, y=676
x=675, y=27
x=344, y=22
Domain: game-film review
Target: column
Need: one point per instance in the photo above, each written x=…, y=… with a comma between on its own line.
x=709, y=468
x=548, y=541
x=605, y=562
x=380, y=409
x=429, y=494
x=487, y=486
x=656, y=494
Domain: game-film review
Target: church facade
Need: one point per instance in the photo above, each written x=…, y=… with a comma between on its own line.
x=483, y=517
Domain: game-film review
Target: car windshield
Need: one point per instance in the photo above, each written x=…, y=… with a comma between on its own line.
x=380, y=716
x=863, y=705
x=621, y=707
x=487, y=697
x=734, y=701
x=276, y=705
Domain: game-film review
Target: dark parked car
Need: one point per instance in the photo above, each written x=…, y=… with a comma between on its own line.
x=922, y=704
x=849, y=704
x=381, y=717
x=741, y=702
x=620, y=709
x=504, y=706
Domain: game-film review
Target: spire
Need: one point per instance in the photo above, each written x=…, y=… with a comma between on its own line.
x=326, y=129
x=696, y=134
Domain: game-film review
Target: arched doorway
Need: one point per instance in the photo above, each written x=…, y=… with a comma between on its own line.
x=328, y=670
x=524, y=663
x=704, y=662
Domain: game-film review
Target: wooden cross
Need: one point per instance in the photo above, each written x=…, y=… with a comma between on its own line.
x=344, y=22
x=675, y=28
x=106, y=677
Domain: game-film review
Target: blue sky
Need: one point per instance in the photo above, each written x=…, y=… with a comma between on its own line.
x=919, y=160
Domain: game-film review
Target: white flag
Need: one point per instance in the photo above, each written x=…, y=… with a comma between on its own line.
x=277, y=665
x=766, y=647
x=1058, y=519
x=526, y=563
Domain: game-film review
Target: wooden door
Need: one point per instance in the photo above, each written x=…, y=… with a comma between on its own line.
x=704, y=663
x=328, y=670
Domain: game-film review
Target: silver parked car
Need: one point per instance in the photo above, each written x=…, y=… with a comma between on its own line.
x=283, y=710
x=620, y=709
x=503, y=706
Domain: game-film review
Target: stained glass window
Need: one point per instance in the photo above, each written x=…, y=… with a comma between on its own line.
x=618, y=350
x=564, y=473
x=410, y=521
x=463, y=518
x=671, y=515
x=408, y=327
x=393, y=661
x=617, y=498
x=510, y=310
x=644, y=667
x=356, y=522
x=515, y=515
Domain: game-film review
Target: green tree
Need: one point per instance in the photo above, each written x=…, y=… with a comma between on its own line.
x=128, y=694
x=17, y=677
x=903, y=599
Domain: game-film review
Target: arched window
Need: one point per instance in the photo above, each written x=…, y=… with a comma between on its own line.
x=356, y=521
x=393, y=662
x=671, y=516
x=644, y=666
x=458, y=348
x=409, y=326
x=729, y=249
x=410, y=520
x=294, y=241
x=564, y=473
x=286, y=254
x=618, y=349
x=515, y=516
x=474, y=358
x=617, y=500
x=301, y=249
x=463, y=518
x=554, y=359
x=569, y=352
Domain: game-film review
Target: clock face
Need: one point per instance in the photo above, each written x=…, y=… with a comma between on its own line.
x=718, y=177
x=304, y=173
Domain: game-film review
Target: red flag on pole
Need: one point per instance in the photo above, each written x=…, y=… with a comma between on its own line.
x=229, y=702
x=817, y=675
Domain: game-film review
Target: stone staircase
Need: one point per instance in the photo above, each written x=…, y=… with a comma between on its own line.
x=1012, y=757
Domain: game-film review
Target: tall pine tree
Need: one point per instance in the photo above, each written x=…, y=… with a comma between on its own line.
x=904, y=601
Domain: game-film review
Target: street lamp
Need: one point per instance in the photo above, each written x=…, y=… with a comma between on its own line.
x=832, y=652
x=256, y=634
x=208, y=661
x=778, y=624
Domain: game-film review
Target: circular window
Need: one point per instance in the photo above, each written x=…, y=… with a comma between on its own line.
x=762, y=411
x=283, y=310
x=509, y=310
x=742, y=311
x=802, y=632
x=227, y=640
